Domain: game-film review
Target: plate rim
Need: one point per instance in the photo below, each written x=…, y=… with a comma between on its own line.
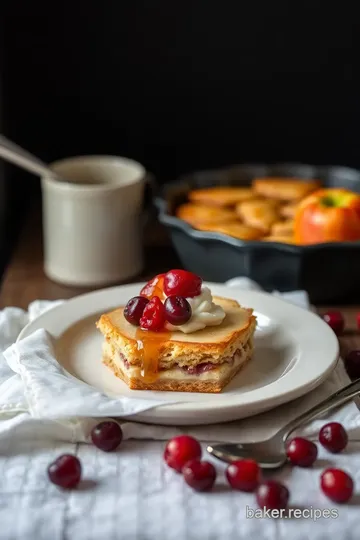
x=223, y=406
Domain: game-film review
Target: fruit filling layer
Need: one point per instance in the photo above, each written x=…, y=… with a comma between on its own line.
x=206, y=370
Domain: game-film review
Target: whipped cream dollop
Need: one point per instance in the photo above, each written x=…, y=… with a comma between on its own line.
x=204, y=313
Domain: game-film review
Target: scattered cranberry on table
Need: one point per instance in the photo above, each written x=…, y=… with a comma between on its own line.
x=243, y=475
x=337, y=485
x=65, y=471
x=301, y=452
x=134, y=309
x=180, y=450
x=107, y=436
x=335, y=320
x=333, y=437
x=182, y=283
x=178, y=310
x=153, y=317
x=200, y=475
x=352, y=364
x=272, y=495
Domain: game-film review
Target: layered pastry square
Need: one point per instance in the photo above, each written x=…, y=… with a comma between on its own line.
x=192, y=357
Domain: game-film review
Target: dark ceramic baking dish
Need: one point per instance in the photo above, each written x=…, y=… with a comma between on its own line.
x=329, y=272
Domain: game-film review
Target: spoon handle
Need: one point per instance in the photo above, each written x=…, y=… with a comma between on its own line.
x=335, y=400
x=18, y=156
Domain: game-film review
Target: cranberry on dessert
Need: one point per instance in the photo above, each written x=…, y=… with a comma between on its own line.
x=200, y=475
x=134, y=309
x=153, y=287
x=272, y=495
x=337, y=485
x=243, y=474
x=178, y=310
x=65, y=471
x=301, y=452
x=333, y=437
x=182, y=283
x=153, y=317
x=358, y=320
x=180, y=450
x=352, y=364
x=107, y=436
x=335, y=320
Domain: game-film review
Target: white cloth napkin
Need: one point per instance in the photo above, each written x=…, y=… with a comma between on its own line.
x=130, y=493
x=38, y=386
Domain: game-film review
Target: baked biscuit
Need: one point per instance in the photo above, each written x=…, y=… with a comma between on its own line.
x=288, y=210
x=203, y=361
x=221, y=196
x=195, y=214
x=286, y=189
x=283, y=228
x=260, y=214
x=232, y=228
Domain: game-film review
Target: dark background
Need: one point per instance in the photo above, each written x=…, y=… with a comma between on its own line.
x=178, y=85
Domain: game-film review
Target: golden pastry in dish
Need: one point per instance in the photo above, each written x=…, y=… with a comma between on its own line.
x=195, y=214
x=232, y=228
x=286, y=189
x=221, y=196
x=288, y=210
x=260, y=214
x=283, y=228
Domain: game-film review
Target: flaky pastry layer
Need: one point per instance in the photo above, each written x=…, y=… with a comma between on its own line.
x=193, y=384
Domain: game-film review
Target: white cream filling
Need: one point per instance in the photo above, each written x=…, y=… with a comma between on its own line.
x=204, y=312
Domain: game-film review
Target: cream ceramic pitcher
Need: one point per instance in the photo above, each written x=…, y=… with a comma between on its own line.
x=92, y=223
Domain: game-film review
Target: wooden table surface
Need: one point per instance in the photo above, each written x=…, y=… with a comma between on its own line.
x=24, y=279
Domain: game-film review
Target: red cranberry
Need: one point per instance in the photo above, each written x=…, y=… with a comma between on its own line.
x=272, y=495
x=333, y=437
x=65, y=471
x=134, y=309
x=182, y=283
x=335, y=320
x=200, y=475
x=178, y=310
x=107, y=436
x=352, y=364
x=153, y=286
x=199, y=369
x=243, y=474
x=180, y=450
x=337, y=485
x=153, y=317
x=358, y=320
x=301, y=452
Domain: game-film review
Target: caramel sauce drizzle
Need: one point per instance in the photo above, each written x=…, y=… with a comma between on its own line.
x=150, y=343
x=149, y=347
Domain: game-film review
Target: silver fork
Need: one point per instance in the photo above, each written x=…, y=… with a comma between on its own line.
x=270, y=454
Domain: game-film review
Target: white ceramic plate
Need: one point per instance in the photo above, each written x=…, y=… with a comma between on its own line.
x=294, y=352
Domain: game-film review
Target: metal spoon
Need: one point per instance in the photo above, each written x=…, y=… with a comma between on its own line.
x=18, y=156
x=270, y=454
